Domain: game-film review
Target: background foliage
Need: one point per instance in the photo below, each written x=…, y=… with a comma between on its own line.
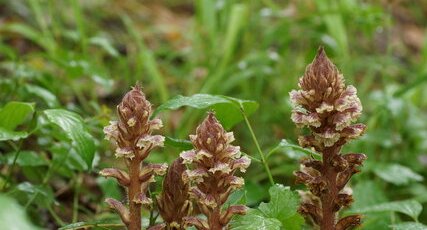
x=64, y=65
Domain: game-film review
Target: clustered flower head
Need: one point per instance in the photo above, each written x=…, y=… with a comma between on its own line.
x=174, y=202
x=213, y=163
x=132, y=134
x=328, y=108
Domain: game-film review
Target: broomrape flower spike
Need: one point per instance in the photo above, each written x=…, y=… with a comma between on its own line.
x=328, y=107
x=174, y=202
x=212, y=165
x=132, y=134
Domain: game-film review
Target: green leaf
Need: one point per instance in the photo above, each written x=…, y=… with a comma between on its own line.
x=293, y=151
x=11, y=135
x=198, y=101
x=397, y=174
x=231, y=115
x=15, y=113
x=283, y=205
x=368, y=193
x=409, y=226
x=44, y=194
x=73, y=126
x=255, y=220
x=178, y=143
x=228, y=109
x=105, y=44
x=12, y=216
x=411, y=208
x=44, y=94
x=25, y=158
x=92, y=224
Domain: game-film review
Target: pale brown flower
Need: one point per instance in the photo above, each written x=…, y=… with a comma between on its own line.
x=328, y=108
x=132, y=135
x=213, y=163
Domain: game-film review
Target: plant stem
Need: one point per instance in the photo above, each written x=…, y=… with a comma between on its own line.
x=329, y=174
x=57, y=219
x=15, y=158
x=133, y=191
x=78, y=184
x=261, y=154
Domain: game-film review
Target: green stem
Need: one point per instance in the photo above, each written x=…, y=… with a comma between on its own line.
x=78, y=184
x=58, y=219
x=15, y=158
x=261, y=154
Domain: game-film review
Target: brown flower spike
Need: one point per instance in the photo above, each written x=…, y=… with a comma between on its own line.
x=134, y=141
x=212, y=163
x=174, y=202
x=328, y=108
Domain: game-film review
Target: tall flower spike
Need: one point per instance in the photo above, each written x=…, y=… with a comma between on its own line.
x=174, y=202
x=328, y=108
x=132, y=136
x=213, y=163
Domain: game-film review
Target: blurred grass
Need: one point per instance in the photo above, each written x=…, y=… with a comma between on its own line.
x=84, y=55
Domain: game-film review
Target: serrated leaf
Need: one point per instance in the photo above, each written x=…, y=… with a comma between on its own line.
x=73, y=126
x=227, y=108
x=409, y=226
x=397, y=174
x=411, y=208
x=12, y=216
x=255, y=220
x=282, y=206
x=15, y=113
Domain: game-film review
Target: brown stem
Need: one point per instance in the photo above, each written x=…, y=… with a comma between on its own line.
x=133, y=191
x=214, y=219
x=329, y=174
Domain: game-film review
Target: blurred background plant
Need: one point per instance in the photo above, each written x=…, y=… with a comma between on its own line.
x=64, y=66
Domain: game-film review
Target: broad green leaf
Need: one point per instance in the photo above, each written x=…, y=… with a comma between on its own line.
x=43, y=194
x=255, y=192
x=397, y=174
x=44, y=94
x=293, y=151
x=255, y=220
x=109, y=187
x=178, y=143
x=11, y=135
x=228, y=109
x=231, y=115
x=411, y=208
x=15, y=113
x=12, y=215
x=283, y=204
x=409, y=226
x=73, y=125
x=368, y=193
x=25, y=158
x=104, y=224
x=198, y=101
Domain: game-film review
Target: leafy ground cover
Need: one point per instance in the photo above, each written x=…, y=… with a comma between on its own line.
x=65, y=65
